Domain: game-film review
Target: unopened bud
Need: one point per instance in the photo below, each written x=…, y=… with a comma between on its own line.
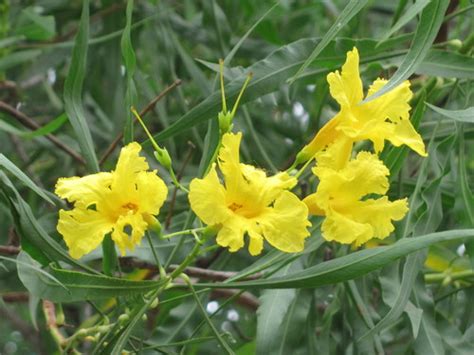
x=155, y=303
x=123, y=318
x=163, y=158
x=225, y=121
x=455, y=44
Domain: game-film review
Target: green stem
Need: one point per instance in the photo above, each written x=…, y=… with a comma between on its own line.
x=303, y=168
x=155, y=256
x=188, y=260
x=186, y=231
x=440, y=277
x=221, y=341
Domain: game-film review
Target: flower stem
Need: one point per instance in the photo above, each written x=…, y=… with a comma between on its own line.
x=186, y=231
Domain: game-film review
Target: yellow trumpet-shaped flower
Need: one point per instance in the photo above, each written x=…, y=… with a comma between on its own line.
x=384, y=118
x=122, y=202
x=250, y=202
x=346, y=198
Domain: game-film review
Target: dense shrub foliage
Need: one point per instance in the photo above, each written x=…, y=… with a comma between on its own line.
x=244, y=177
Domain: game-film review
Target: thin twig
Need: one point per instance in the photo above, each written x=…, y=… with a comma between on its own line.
x=9, y=250
x=31, y=124
x=15, y=297
x=142, y=113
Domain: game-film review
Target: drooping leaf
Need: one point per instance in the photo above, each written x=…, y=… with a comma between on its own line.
x=430, y=21
x=466, y=115
x=351, y=9
x=350, y=266
x=34, y=26
x=129, y=61
x=273, y=307
x=73, y=91
x=409, y=14
x=20, y=175
x=73, y=286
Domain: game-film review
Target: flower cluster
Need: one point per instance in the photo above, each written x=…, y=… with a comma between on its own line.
x=240, y=200
x=351, y=192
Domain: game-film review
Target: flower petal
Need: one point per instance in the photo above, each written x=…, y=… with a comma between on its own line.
x=285, y=224
x=336, y=155
x=208, y=199
x=393, y=105
x=231, y=235
x=129, y=163
x=84, y=191
x=229, y=161
x=312, y=202
x=151, y=192
x=343, y=229
x=83, y=230
x=256, y=242
x=379, y=213
x=325, y=136
x=405, y=133
x=361, y=176
x=346, y=87
x=137, y=225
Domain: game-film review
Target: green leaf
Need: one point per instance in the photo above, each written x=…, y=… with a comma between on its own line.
x=34, y=26
x=72, y=286
x=129, y=59
x=48, y=128
x=400, y=300
x=467, y=196
x=447, y=65
x=406, y=17
x=350, y=266
x=73, y=91
x=466, y=115
x=20, y=175
x=271, y=73
x=25, y=262
x=16, y=58
x=351, y=9
x=273, y=307
x=429, y=340
x=296, y=317
x=6, y=42
x=34, y=239
x=426, y=31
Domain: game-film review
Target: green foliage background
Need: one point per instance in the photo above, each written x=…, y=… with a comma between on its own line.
x=66, y=87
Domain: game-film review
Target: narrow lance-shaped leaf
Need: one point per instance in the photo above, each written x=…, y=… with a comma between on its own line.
x=466, y=115
x=129, y=60
x=351, y=9
x=272, y=72
x=72, y=286
x=73, y=91
x=406, y=17
x=430, y=22
x=350, y=266
x=12, y=168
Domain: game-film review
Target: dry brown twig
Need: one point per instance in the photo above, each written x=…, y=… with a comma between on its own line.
x=31, y=124
x=142, y=113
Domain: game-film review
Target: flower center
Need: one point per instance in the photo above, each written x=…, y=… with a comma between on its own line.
x=130, y=207
x=242, y=210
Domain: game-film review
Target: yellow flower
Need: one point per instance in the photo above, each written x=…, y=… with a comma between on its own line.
x=345, y=197
x=250, y=202
x=384, y=118
x=123, y=202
